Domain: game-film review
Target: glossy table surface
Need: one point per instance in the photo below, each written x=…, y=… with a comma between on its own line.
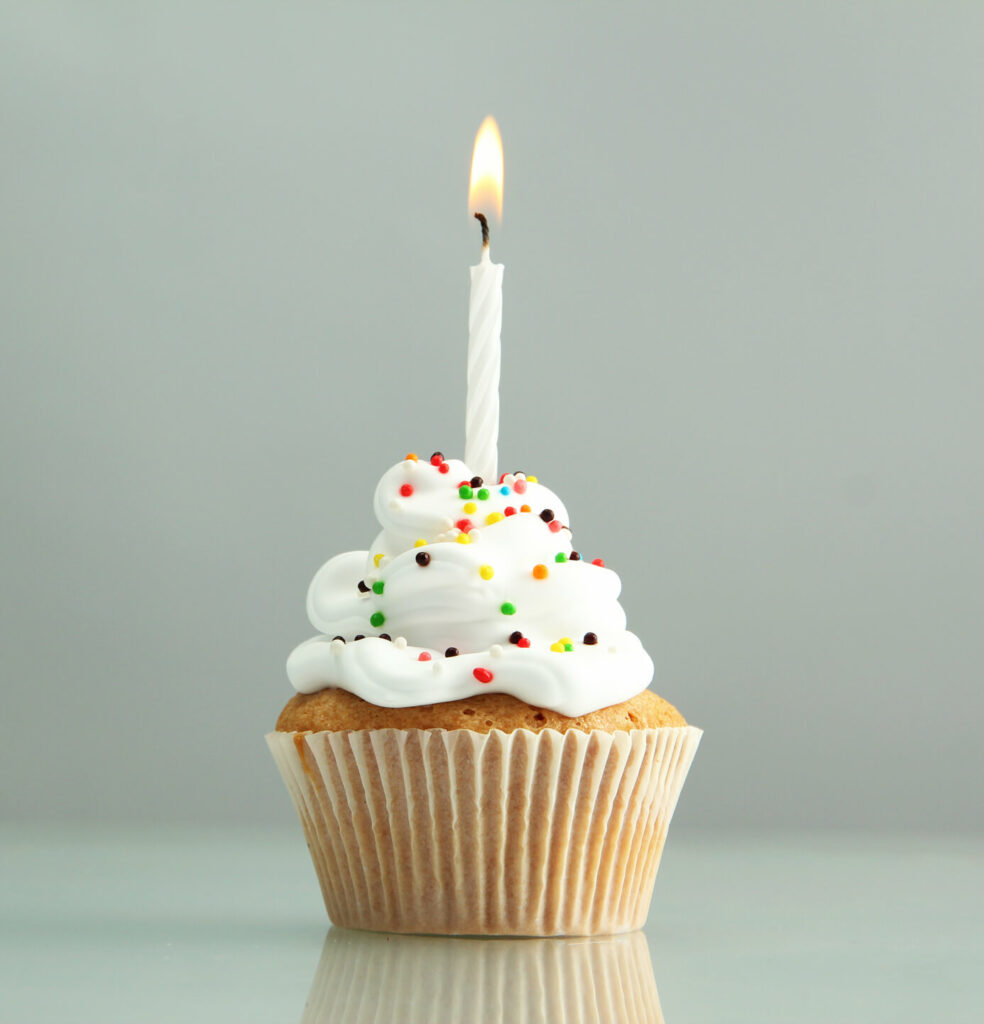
x=222, y=925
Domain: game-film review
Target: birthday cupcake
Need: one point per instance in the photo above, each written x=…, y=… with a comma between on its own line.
x=473, y=748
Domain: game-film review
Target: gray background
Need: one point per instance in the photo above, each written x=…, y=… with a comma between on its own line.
x=742, y=340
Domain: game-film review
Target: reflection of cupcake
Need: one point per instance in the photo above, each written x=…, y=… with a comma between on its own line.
x=473, y=749
x=421, y=980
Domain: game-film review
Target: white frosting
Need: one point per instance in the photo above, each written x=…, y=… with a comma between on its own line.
x=454, y=601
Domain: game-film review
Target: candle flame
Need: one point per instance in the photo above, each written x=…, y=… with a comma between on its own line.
x=485, y=188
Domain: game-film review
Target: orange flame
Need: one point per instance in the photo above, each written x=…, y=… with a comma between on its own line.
x=485, y=188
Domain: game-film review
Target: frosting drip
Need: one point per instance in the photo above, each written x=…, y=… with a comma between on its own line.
x=478, y=586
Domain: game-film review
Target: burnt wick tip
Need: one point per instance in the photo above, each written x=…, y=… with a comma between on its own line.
x=480, y=217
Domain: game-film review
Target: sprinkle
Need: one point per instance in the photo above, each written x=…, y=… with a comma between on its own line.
x=334, y=638
x=437, y=458
x=532, y=479
x=525, y=642
x=565, y=640
x=509, y=510
x=400, y=643
x=443, y=468
x=568, y=647
x=363, y=588
x=556, y=526
x=359, y=636
x=396, y=505
x=385, y=636
x=507, y=608
x=377, y=558
x=483, y=675
x=463, y=538
x=613, y=649
x=493, y=517
x=419, y=542
x=575, y=556
x=424, y=656
x=559, y=648
x=547, y=515
x=451, y=652
x=514, y=638
x=470, y=507
x=598, y=561
x=406, y=490
x=464, y=492
x=519, y=486
x=464, y=525
x=410, y=457
x=502, y=476
x=483, y=494
x=525, y=508
x=377, y=619
x=495, y=651
x=503, y=490
x=560, y=557
x=539, y=572
x=377, y=587
x=486, y=572
x=337, y=644
x=423, y=558
x=591, y=639
x=476, y=481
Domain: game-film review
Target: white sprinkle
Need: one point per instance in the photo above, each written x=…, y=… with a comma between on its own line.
x=496, y=650
x=613, y=649
x=337, y=645
x=400, y=643
x=509, y=479
x=396, y=505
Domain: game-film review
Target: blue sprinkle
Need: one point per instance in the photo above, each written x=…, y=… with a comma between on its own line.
x=503, y=490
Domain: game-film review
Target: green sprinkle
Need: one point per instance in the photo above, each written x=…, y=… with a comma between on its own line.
x=508, y=608
x=483, y=494
x=561, y=557
x=464, y=491
x=377, y=588
x=377, y=618
x=568, y=647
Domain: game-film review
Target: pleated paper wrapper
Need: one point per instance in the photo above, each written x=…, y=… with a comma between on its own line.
x=381, y=979
x=455, y=832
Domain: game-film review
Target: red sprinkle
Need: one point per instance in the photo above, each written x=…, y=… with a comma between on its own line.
x=464, y=483
x=424, y=656
x=443, y=468
x=464, y=525
x=598, y=561
x=483, y=675
x=502, y=476
x=520, y=486
x=436, y=459
x=555, y=526
x=406, y=490
x=509, y=510
x=525, y=642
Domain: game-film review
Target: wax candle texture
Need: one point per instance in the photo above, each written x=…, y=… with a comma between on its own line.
x=484, y=354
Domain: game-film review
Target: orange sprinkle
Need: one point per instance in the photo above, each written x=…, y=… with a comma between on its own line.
x=525, y=508
x=540, y=572
x=411, y=457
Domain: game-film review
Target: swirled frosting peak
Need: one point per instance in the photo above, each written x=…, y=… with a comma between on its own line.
x=471, y=586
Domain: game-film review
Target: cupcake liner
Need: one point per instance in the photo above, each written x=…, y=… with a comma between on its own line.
x=455, y=832
x=372, y=979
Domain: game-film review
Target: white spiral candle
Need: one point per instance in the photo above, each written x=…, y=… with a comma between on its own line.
x=484, y=352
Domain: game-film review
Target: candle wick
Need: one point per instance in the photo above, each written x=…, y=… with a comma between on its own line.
x=480, y=217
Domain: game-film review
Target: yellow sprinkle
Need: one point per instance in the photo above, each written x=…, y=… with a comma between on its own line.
x=419, y=542
x=486, y=572
x=377, y=559
x=559, y=648
x=411, y=457
x=463, y=538
x=470, y=507
x=532, y=480
x=566, y=640
x=493, y=517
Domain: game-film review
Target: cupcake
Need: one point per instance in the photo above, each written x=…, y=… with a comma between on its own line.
x=472, y=749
